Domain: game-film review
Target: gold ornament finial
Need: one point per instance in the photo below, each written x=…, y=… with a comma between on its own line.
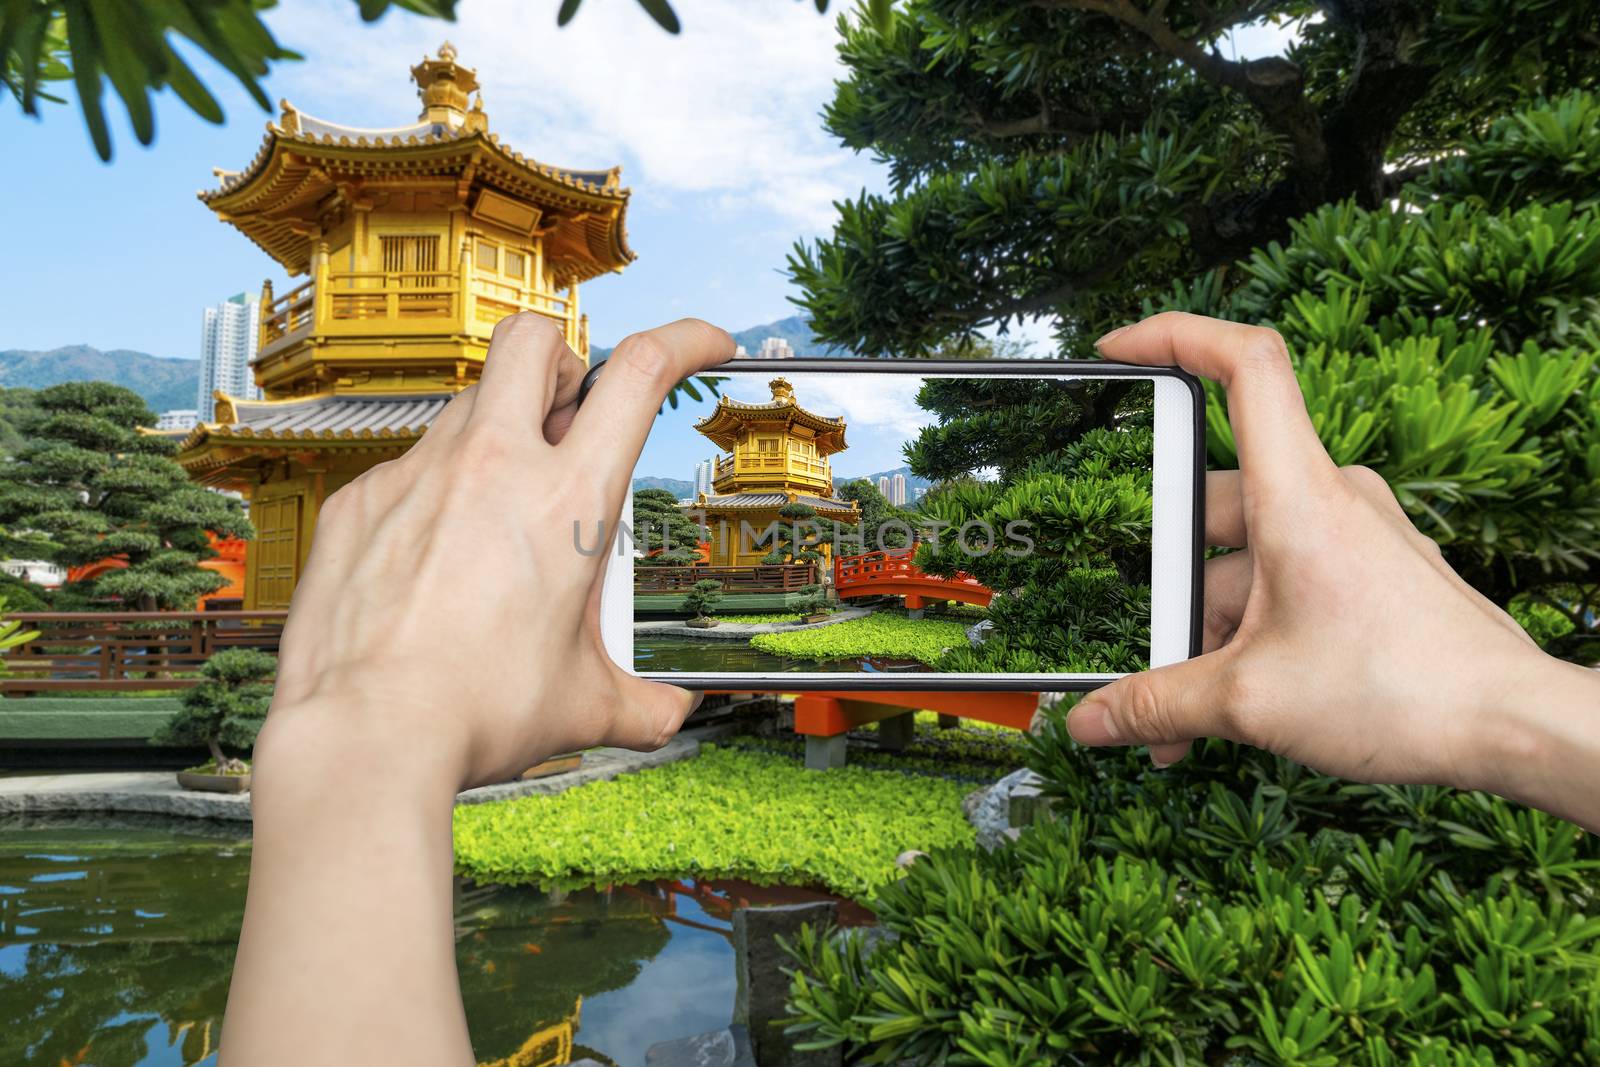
x=781, y=389
x=445, y=87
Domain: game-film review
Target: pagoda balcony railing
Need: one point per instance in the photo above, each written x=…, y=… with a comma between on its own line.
x=769, y=463
x=357, y=303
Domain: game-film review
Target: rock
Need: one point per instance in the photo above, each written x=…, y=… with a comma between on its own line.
x=759, y=963
x=990, y=809
x=978, y=632
x=907, y=858
x=1027, y=805
x=719, y=1048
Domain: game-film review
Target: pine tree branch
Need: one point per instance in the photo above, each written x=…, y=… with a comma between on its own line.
x=1274, y=86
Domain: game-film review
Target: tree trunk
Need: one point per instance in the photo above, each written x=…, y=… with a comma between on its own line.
x=219, y=761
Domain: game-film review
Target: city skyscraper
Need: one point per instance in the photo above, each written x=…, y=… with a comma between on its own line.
x=883, y=487
x=704, y=472
x=899, y=486
x=775, y=348
x=228, y=334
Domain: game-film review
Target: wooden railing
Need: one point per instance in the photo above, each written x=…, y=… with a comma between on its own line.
x=442, y=300
x=776, y=578
x=110, y=651
x=287, y=313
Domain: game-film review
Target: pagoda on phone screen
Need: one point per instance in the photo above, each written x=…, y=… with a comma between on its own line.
x=777, y=455
x=412, y=243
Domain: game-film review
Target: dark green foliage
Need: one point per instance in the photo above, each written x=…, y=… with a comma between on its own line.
x=658, y=523
x=1073, y=158
x=1062, y=535
x=1232, y=903
x=882, y=526
x=808, y=599
x=1451, y=344
x=226, y=708
x=88, y=485
x=702, y=599
x=795, y=535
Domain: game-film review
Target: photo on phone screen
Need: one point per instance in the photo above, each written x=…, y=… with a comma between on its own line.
x=878, y=524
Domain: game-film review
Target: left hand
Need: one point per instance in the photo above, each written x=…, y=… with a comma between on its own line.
x=446, y=603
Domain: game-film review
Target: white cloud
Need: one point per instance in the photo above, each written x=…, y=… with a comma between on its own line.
x=885, y=402
x=728, y=109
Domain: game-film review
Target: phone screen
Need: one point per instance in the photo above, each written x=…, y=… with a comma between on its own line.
x=816, y=524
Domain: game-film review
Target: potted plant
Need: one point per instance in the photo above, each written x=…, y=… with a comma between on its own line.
x=226, y=708
x=812, y=603
x=701, y=601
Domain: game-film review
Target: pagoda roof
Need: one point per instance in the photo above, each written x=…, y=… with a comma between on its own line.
x=731, y=417
x=303, y=159
x=256, y=428
x=767, y=501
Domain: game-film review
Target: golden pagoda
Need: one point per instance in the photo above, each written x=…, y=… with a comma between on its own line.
x=413, y=242
x=778, y=455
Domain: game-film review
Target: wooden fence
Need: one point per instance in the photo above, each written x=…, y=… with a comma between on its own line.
x=128, y=650
x=778, y=578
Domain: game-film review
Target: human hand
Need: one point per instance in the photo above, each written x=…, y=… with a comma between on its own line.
x=1337, y=636
x=446, y=603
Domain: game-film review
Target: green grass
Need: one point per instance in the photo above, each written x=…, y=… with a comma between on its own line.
x=777, y=616
x=74, y=718
x=723, y=814
x=889, y=635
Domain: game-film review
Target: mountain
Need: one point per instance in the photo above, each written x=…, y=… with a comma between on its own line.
x=164, y=383
x=676, y=486
x=913, y=483
x=796, y=329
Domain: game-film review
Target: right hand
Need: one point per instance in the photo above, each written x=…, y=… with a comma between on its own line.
x=1337, y=636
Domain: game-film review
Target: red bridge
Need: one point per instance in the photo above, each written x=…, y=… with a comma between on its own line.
x=893, y=574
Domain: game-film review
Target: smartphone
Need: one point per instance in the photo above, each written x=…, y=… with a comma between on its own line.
x=853, y=524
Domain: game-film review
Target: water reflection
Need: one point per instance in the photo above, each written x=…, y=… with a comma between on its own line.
x=117, y=939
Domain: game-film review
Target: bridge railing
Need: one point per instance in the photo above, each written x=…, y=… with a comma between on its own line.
x=775, y=578
x=128, y=650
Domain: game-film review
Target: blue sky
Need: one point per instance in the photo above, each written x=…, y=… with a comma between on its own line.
x=879, y=410
x=717, y=132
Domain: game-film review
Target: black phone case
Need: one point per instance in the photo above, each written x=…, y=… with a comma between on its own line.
x=1043, y=368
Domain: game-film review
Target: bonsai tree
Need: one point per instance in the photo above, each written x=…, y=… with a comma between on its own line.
x=808, y=599
x=87, y=485
x=226, y=708
x=787, y=547
x=878, y=516
x=701, y=600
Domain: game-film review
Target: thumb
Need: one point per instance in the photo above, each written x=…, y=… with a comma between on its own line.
x=1165, y=708
x=648, y=713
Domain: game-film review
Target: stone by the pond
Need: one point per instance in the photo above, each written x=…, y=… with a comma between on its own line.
x=907, y=858
x=978, y=632
x=762, y=986
x=989, y=809
x=719, y=1048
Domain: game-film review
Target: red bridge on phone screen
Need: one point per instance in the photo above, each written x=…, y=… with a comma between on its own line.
x=893, y=574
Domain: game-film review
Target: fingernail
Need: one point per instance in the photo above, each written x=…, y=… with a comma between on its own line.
x=1160, y=765
x=695, y=700
x=1090, y=724
x=1113, y=333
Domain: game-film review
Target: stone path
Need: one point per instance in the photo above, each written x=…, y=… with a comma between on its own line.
x=158, y=793
x=738, y=631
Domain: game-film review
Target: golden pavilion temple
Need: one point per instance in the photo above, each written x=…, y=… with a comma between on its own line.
x=778, y=455
x=413, y=243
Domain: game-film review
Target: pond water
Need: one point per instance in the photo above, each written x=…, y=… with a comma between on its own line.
x=652, y=652
x=117, y=939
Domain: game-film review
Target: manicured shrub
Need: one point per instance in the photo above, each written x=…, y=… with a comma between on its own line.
x=725, y=813
x=1234, y=904
x=808, y=599
x=883, y=634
